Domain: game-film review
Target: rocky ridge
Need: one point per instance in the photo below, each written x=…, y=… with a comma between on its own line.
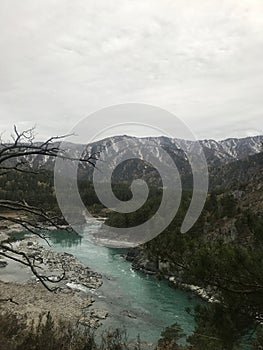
x=216, y=153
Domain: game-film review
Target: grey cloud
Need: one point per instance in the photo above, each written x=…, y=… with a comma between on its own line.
x=201, y=60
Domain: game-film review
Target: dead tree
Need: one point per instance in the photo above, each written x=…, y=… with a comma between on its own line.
x=14, y=156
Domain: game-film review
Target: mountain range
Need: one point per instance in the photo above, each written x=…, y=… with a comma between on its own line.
x=221, y=157
x=235, y=176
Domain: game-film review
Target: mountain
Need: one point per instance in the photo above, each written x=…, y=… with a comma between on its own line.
x=238, y=174
x=217, y=153
x=229, y=150
x=235, y=209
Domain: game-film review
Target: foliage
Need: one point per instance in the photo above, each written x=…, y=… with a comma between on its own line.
x=258, y=341
x=231, y=271
x=216, y=329
x=170, y=337
x=46, y=334
x=29, y=188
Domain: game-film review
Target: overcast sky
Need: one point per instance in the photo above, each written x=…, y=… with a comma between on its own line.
x=201, y=60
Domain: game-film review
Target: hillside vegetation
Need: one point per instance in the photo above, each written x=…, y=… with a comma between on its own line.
x=222, y=253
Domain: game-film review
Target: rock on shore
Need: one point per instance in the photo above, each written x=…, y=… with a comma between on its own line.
x=71, y=302
x=141, y=262
x=54, y=264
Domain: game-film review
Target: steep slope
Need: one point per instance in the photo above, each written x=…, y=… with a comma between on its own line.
x=235, y=210
x=238, y=174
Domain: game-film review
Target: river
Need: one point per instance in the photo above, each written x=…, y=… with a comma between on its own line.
x=140, y=303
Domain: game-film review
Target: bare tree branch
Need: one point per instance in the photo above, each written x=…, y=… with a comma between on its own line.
x=6, y=250
x=24, y=146
x=17, y=156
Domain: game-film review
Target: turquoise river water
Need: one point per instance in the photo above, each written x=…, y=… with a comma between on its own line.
x=140, y=303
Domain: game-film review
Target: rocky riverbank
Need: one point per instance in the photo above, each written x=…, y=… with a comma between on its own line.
x=72, y=300
x=140, y=262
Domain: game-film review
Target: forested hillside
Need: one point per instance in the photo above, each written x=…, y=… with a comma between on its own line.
x=222, y=253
